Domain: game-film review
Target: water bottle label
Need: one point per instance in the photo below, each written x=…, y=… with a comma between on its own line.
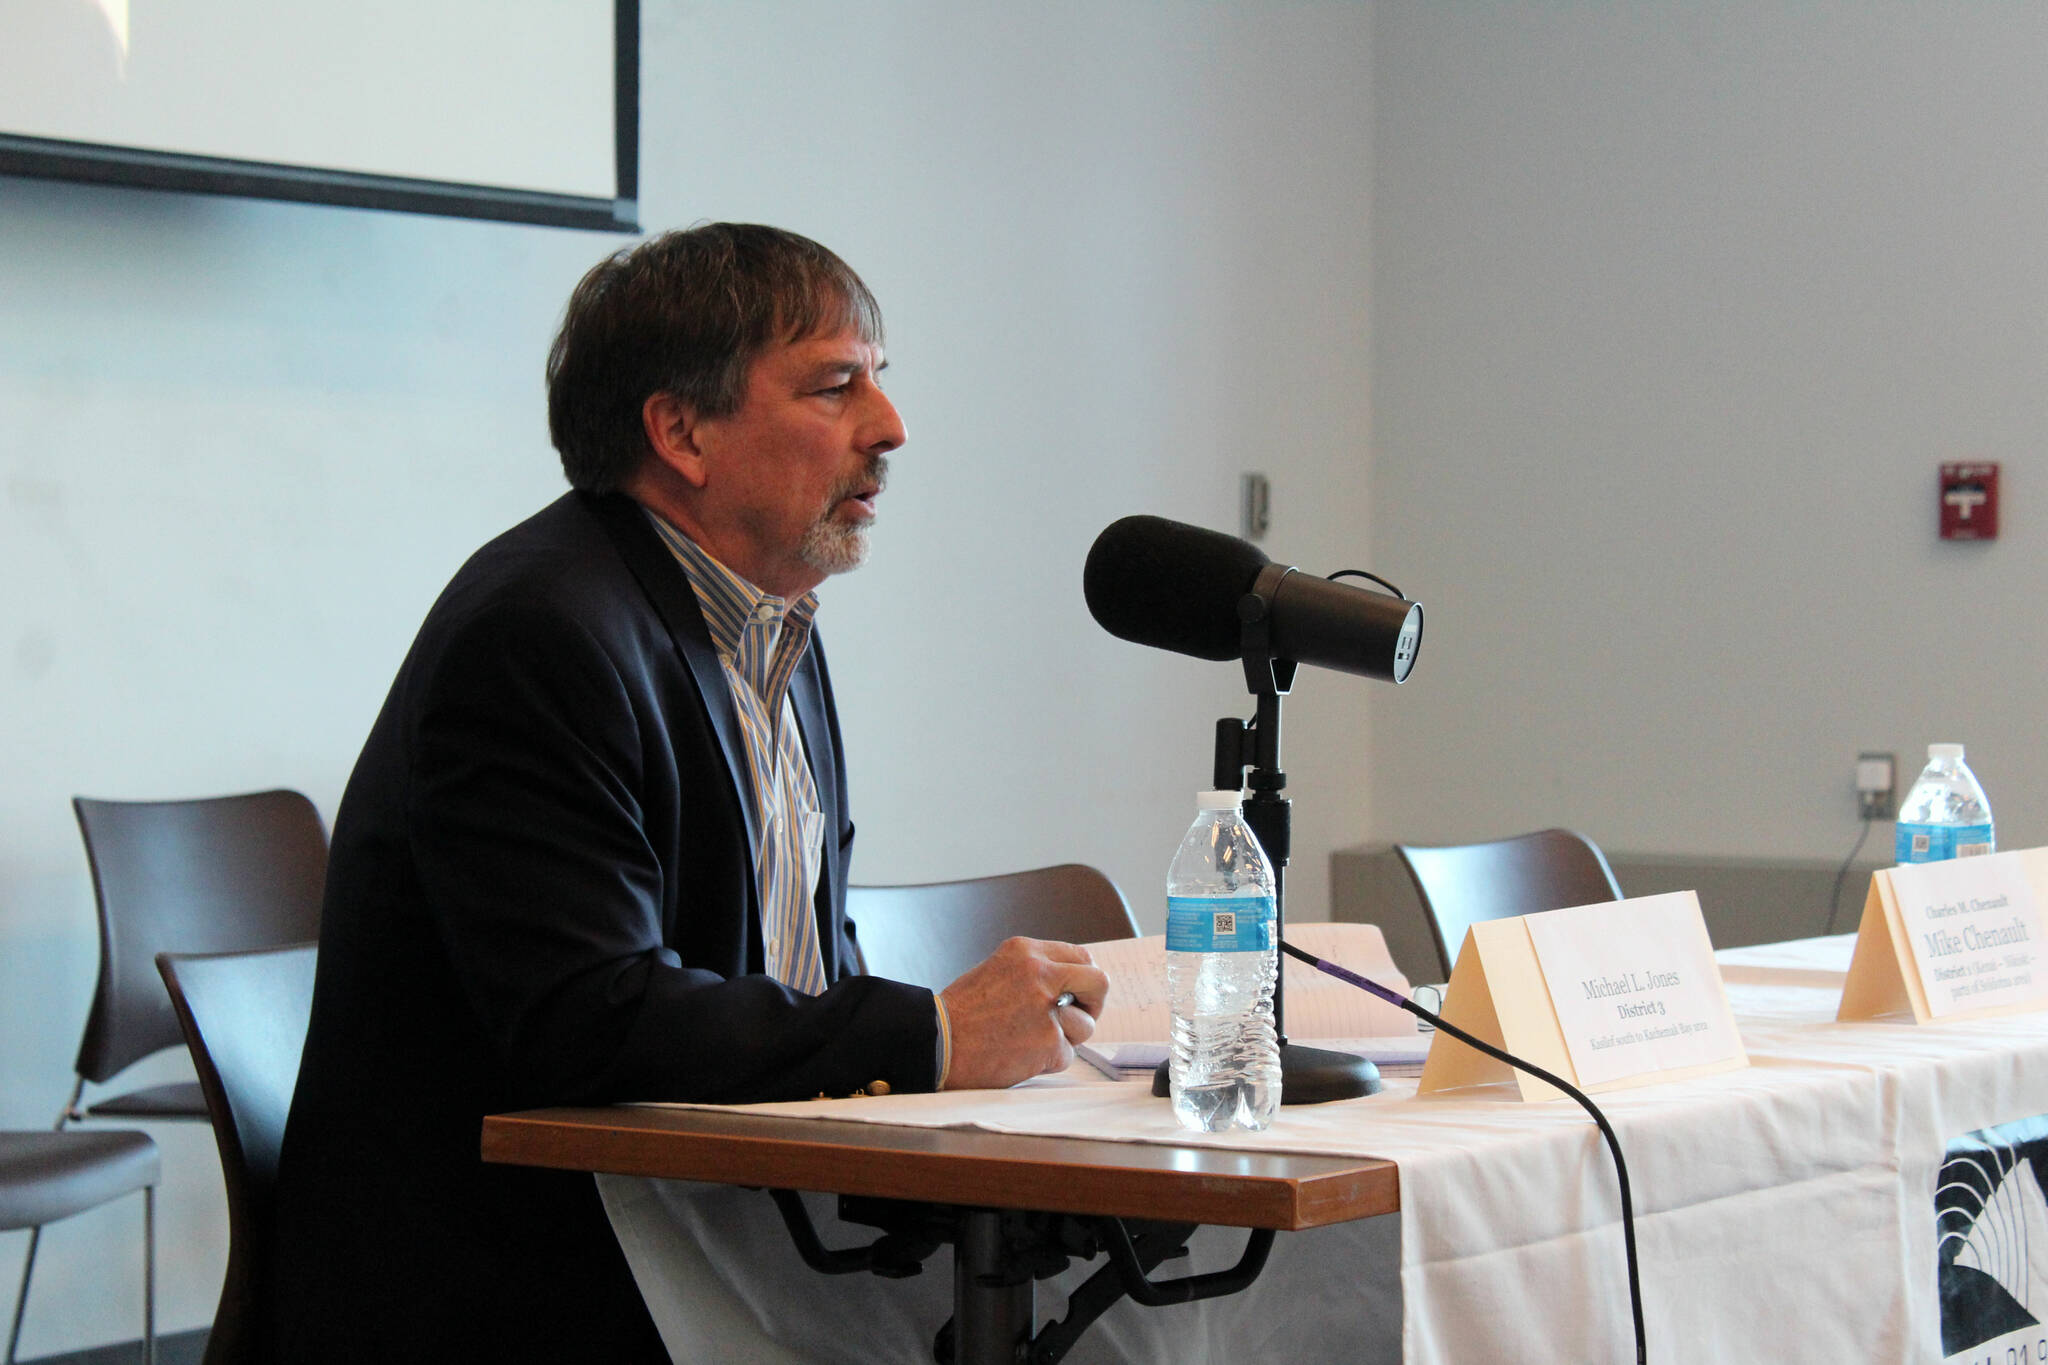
x=1219, y=924
x=1918, y=843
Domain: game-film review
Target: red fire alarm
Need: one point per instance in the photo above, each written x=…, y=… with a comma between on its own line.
x=1969, y=501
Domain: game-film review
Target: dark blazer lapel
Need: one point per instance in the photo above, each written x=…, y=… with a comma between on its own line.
x=666, y=586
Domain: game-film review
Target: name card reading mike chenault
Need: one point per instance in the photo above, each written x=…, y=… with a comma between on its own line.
x=1606, y=996
x=1951, y=940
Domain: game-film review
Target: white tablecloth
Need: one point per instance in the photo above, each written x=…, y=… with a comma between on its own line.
x=1784, y=1212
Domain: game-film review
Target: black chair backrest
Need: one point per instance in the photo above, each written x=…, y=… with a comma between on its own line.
x=202, y=876
x=928, y=935
x=244, y=1017
x=1466, y=884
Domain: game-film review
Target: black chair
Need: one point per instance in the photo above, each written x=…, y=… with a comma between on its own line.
x=45, y=1177
x=929, y=934
x=207, y=875
x=1461, y=885
x=244, y=1017
x=203, y=876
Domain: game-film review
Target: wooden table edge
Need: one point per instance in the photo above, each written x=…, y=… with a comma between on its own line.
x=952, y=1166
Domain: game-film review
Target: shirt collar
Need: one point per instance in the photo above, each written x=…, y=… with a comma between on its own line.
x=732, y=605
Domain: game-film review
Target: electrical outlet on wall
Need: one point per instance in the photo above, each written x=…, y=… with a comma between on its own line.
x=1877, y=785
x=1255, y=506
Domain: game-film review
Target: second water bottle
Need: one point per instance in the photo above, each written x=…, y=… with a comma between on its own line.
x=1945, y=814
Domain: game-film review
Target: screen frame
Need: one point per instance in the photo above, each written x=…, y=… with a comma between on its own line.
x=142, y=168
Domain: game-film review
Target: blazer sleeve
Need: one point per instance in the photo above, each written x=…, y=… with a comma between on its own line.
x=533, y=751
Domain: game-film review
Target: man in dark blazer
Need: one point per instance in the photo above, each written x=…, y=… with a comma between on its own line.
x=545, y=886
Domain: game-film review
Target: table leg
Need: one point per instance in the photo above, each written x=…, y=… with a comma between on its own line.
x=992, y=1320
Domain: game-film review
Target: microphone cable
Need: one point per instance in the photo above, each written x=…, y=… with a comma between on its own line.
x=1360, y=573
x=1835, y=896
x=1628, y=1216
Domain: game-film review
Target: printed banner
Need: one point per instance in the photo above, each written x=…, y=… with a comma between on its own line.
x=1991, y=1229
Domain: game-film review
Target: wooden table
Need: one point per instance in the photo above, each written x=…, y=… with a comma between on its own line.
x=977, y=1171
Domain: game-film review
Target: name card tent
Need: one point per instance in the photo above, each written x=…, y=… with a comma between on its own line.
x=1959, y=939
x=1607, y=996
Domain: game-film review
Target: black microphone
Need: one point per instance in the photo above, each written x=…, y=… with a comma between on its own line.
x=1173, y=586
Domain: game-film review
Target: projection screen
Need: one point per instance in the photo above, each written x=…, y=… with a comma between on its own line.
x=519, y=110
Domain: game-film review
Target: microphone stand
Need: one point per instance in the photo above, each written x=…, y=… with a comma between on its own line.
x=1308, y=1075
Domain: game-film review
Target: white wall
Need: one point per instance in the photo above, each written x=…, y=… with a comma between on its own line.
x=1676, y=310
x=1122, y=254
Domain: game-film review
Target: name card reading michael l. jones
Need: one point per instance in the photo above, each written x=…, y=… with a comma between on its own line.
x=1975, y=932
x=1635, y=987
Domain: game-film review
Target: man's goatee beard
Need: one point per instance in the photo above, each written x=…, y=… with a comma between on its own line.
x=830, y=545
x=833, y=547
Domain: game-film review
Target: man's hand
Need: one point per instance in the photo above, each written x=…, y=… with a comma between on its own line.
x=1007, y=1022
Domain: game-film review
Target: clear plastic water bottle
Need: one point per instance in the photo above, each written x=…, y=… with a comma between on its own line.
x=1945, y=814
x=1222, y=953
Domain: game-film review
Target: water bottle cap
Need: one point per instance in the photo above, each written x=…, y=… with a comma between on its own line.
x=1219, y=800
x=1941, y=751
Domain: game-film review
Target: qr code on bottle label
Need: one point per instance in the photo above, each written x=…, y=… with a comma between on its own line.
x=1219, y=924
x=1921, y=842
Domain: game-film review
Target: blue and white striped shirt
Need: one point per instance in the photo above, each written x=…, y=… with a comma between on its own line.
x=760, y=639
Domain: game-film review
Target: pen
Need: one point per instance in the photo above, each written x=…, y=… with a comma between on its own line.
x=1064, y=999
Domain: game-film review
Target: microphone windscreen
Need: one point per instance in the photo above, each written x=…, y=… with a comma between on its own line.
x=1170, y=585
